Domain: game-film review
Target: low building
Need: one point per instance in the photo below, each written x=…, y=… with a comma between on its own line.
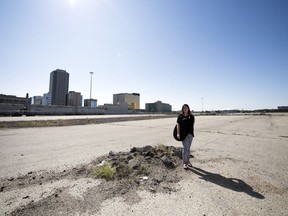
x=12, y=99
x=158, y=107
x=90, y=103
x=36, y=100
x=121, y=108
x=283, y=108
x=132, y=100
x=11, y=105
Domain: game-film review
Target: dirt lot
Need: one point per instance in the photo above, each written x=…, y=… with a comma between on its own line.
x=239, y=168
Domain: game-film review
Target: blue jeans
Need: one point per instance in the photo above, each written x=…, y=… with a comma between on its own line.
x=186, y=148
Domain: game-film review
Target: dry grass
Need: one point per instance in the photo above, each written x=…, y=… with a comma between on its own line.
x=69, y=122
x=105, y=171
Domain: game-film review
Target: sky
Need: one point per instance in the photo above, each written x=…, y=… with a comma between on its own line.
x=210, y=54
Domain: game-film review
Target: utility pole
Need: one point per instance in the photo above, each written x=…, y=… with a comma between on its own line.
x=202, y=104
x=91, y=87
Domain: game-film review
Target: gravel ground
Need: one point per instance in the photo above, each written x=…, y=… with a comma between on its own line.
x=239, y=162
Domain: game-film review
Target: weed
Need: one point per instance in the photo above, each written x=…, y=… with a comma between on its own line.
x=123, y=170
x=143, y=170
x=164, y=149
x=160, y=147
x=104, y=171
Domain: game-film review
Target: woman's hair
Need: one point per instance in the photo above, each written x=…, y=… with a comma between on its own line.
x=185, y=105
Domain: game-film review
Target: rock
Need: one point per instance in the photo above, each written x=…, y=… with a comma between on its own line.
x=113, y=157
x=166, y=160
x=115, y=163
x=137, y=181
x=133, y=149
x=177, y=152
x=81, y=170
x=156, y=181
x=129, y=157
x=134, y=163
x=111, y=153
x=10, y=179
x=149, y=153
x=147, y=148
x=148, y=158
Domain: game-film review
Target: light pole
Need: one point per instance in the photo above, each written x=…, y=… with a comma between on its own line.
x=91, y=87
x=202, y=103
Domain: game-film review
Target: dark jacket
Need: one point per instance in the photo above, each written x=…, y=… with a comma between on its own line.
x=186, y=125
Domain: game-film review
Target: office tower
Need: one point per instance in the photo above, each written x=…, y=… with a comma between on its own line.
x=45, y=99
x=58, y=88
x=74, y=99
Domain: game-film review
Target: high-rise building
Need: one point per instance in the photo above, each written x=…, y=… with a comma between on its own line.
x=58, y=88
x=45, y=99
x=74, y=99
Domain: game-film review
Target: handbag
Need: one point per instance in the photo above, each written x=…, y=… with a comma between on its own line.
x=175, y=133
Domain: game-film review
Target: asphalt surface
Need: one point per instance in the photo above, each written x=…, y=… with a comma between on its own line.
x=241, y=165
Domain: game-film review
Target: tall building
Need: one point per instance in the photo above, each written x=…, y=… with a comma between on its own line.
x=132, y=100
x=58, y=88
x=45, y=99
x=74, y=99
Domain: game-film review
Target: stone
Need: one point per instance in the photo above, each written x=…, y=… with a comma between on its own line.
x=134, y=163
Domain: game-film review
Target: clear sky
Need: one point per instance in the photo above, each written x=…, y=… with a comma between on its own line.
x=224, y=53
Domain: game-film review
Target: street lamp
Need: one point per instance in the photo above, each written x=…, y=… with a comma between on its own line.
x=202, y=103
x=91, y=87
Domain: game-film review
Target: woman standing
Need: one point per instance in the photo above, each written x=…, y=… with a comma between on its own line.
x=185, y=133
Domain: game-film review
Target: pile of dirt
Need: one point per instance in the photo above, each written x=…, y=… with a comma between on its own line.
x=155, y=169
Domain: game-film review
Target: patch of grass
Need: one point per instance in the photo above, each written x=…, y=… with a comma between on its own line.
x=123, y=171
x=104, y=171
x=160, y=148
x=143, y=170
x=163, y=149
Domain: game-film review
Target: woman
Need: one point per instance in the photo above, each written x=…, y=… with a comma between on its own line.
x=185, y=132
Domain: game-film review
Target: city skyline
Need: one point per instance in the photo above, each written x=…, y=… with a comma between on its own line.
x=213, y=55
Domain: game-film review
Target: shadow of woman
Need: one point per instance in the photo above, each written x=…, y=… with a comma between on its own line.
x=230, y=183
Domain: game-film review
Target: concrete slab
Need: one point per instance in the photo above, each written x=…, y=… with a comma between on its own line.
x=248, y=149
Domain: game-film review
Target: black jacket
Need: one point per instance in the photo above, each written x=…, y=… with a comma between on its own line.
x=186, y=125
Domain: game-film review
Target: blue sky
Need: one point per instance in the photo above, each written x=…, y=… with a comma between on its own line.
x=224, y=53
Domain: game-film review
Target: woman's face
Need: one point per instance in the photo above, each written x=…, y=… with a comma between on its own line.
x=185, y=109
